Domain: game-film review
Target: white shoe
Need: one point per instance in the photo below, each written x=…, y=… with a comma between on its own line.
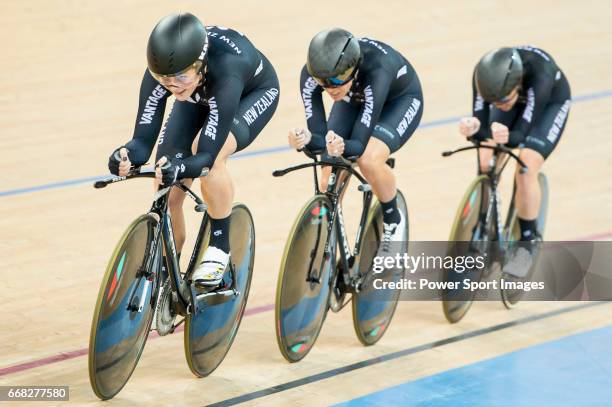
x=519, y=263
x=210, y=271
x=394, y=232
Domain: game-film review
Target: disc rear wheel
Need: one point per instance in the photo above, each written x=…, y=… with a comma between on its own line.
x=373, y=309
x=209, y=333
x=511, y=297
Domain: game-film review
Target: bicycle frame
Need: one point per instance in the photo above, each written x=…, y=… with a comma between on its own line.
x=338, y=181
x=160, y=207
x=341, y=172
x=491, y=210
x=189, y=300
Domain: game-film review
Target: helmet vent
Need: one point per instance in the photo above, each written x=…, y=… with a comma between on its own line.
x=171, y=60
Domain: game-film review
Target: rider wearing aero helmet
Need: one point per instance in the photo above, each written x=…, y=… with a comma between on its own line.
x=497, y=73
x=226, y=91
x=378, y=104
x=177, y=43
x=521, y=98
x=333, y=57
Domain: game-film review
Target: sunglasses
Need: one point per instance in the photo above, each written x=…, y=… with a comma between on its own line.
x=338, y=80
x=186, y=76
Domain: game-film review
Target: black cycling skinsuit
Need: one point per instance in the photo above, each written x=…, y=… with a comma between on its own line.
x=239, y=93
x=538, y=119
x=385, y=101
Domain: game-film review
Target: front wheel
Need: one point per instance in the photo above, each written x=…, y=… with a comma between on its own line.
x=466, y=238
x=209, y=333
x=373, y=309
x=124, y=309
x=304, y=280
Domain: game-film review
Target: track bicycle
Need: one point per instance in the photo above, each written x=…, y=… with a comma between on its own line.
x=136, y=285
x=318, y=269
x=478, y=220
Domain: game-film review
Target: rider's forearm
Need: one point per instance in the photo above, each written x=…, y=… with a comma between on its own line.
x=515, y=138
x=317, y=142
x=482, y=134
x=139, y=150
x=353, y=148
x=195, y=164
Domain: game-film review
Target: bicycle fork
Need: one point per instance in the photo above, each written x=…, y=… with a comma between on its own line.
x=491, y=217
x=146, y=272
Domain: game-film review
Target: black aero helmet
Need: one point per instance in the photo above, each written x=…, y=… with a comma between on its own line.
x=333, y=57
x=176, y=43
x=497, y=73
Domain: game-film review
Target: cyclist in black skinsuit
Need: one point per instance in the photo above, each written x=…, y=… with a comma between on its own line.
x=378, y=104
x=521, y=98
x=226, y=90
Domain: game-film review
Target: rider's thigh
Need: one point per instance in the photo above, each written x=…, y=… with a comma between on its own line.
x=256, y=108
x=399, y=120
x=546, y=133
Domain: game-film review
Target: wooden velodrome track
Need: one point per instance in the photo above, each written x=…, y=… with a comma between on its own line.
x=68, y=96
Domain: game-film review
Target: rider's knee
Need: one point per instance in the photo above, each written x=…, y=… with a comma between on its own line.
x=372, y=159
x=229, y=147
x=220, y=164
x=526, y=177
x=533, y=160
